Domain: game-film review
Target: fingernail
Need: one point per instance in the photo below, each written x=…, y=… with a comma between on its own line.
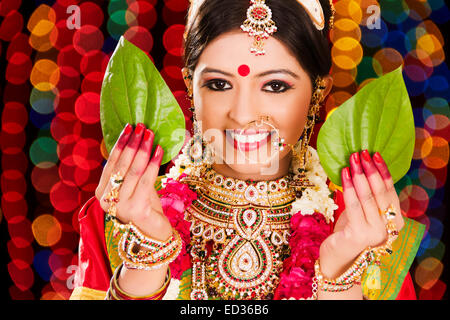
x=366, y=156
x=381, y=166
x=378, y=158
x=136, y=139
x=139, y=128
x=368, y=165
x=124, y=136
x=157, y=157
x=148, y=134
x=346, y=178
x=128, y=128
x=355, y=164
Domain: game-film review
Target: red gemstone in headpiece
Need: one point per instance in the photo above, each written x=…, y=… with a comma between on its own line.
x=259, y=13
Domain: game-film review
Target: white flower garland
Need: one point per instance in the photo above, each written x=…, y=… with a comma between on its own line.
x=314, y=199
x=317, y=198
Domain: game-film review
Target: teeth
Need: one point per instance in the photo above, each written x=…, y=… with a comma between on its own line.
x=249, y=138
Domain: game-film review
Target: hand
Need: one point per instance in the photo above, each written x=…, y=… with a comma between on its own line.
x=368, y=190
x=138, y=199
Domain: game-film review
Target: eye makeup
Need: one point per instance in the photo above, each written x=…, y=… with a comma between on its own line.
x=277, y=86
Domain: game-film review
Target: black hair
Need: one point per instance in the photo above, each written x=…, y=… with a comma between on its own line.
x=294, y=28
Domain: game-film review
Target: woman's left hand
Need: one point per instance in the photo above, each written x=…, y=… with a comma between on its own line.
x=368, y=191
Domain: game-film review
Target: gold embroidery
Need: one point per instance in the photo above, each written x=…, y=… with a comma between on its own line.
x=83, y=293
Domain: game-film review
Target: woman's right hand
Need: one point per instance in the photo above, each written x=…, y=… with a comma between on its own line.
x=138, y=199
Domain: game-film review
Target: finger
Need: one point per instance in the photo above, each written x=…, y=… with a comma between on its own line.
x=384, y=172
x=138, y=166
x=353, y=209
x=364, y=192
x=126, y=157
x=389, y=185
x=383, y=196
x=147, y=181
x=112, y=159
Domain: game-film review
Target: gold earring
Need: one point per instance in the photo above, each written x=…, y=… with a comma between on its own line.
x=300, y=181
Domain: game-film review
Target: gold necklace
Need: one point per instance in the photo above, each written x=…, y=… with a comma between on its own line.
x=240, y=231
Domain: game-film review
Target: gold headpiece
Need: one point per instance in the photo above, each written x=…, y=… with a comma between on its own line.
x=259, y=22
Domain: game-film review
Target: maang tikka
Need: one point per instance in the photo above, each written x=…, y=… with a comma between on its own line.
x=260, y=26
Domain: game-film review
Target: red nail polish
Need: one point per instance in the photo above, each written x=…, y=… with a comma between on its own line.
x=347, y=173
x=381, y=166
x=366, y=156
x=124, y=136
x=378, y=158
x=355, y=163
x=148, y=134
x=128, y=129
x=157, y=157
x=139, y=128
x=368, y=165
x=346, y=178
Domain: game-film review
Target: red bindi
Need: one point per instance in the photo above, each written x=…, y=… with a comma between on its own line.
x=244, y=70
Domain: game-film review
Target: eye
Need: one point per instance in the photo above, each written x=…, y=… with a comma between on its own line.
x=276, y=86
x=218, y=85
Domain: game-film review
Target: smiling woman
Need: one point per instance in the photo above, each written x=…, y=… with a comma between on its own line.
x=277, y=86
x=247, y=211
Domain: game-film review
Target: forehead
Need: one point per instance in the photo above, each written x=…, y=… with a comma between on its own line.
x=232, y=49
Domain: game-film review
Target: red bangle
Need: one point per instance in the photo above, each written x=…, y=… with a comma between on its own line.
x=115, y=293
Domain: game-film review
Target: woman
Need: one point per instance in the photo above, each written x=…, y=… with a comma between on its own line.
x=246, y=213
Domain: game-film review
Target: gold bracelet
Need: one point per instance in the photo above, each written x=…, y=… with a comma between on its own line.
x=141, y=252
x=353, y=274
x=116, y=293
x=349, y=278
x=391, y=228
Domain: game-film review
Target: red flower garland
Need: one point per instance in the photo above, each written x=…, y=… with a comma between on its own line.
x=308, y=233
x=175, y=198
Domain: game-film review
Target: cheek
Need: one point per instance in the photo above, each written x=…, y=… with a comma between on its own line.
x=292, y=118
x=211, y=111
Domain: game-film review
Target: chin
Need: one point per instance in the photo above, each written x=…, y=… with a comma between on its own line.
x=251, y=169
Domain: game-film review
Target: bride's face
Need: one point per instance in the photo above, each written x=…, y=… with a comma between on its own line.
x=233, y=87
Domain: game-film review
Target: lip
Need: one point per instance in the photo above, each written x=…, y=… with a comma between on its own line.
x=248, y=146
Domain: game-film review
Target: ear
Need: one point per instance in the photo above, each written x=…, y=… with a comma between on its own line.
x=328, y=85
x=187, y=77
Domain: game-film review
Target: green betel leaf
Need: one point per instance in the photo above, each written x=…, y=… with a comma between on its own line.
x=377, y=118
x=133, y=92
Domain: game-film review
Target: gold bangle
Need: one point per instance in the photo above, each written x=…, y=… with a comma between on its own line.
x=349, y=278
x=159, y=253
x=118, y=294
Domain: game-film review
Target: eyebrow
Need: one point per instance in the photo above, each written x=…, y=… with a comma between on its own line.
x=260, y=75
x=285, y=71
x=212, y=70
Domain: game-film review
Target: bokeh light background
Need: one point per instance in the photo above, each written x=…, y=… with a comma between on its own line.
x=52, y=151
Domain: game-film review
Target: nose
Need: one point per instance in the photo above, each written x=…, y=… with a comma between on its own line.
x=244, y=108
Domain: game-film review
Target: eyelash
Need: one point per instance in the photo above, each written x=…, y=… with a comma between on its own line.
x=209, y=84
x=279, y=82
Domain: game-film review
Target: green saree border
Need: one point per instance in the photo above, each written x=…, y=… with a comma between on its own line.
x=401, y=261
x=395, y=267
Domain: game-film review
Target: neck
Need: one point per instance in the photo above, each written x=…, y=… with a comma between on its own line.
x=259, y=175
